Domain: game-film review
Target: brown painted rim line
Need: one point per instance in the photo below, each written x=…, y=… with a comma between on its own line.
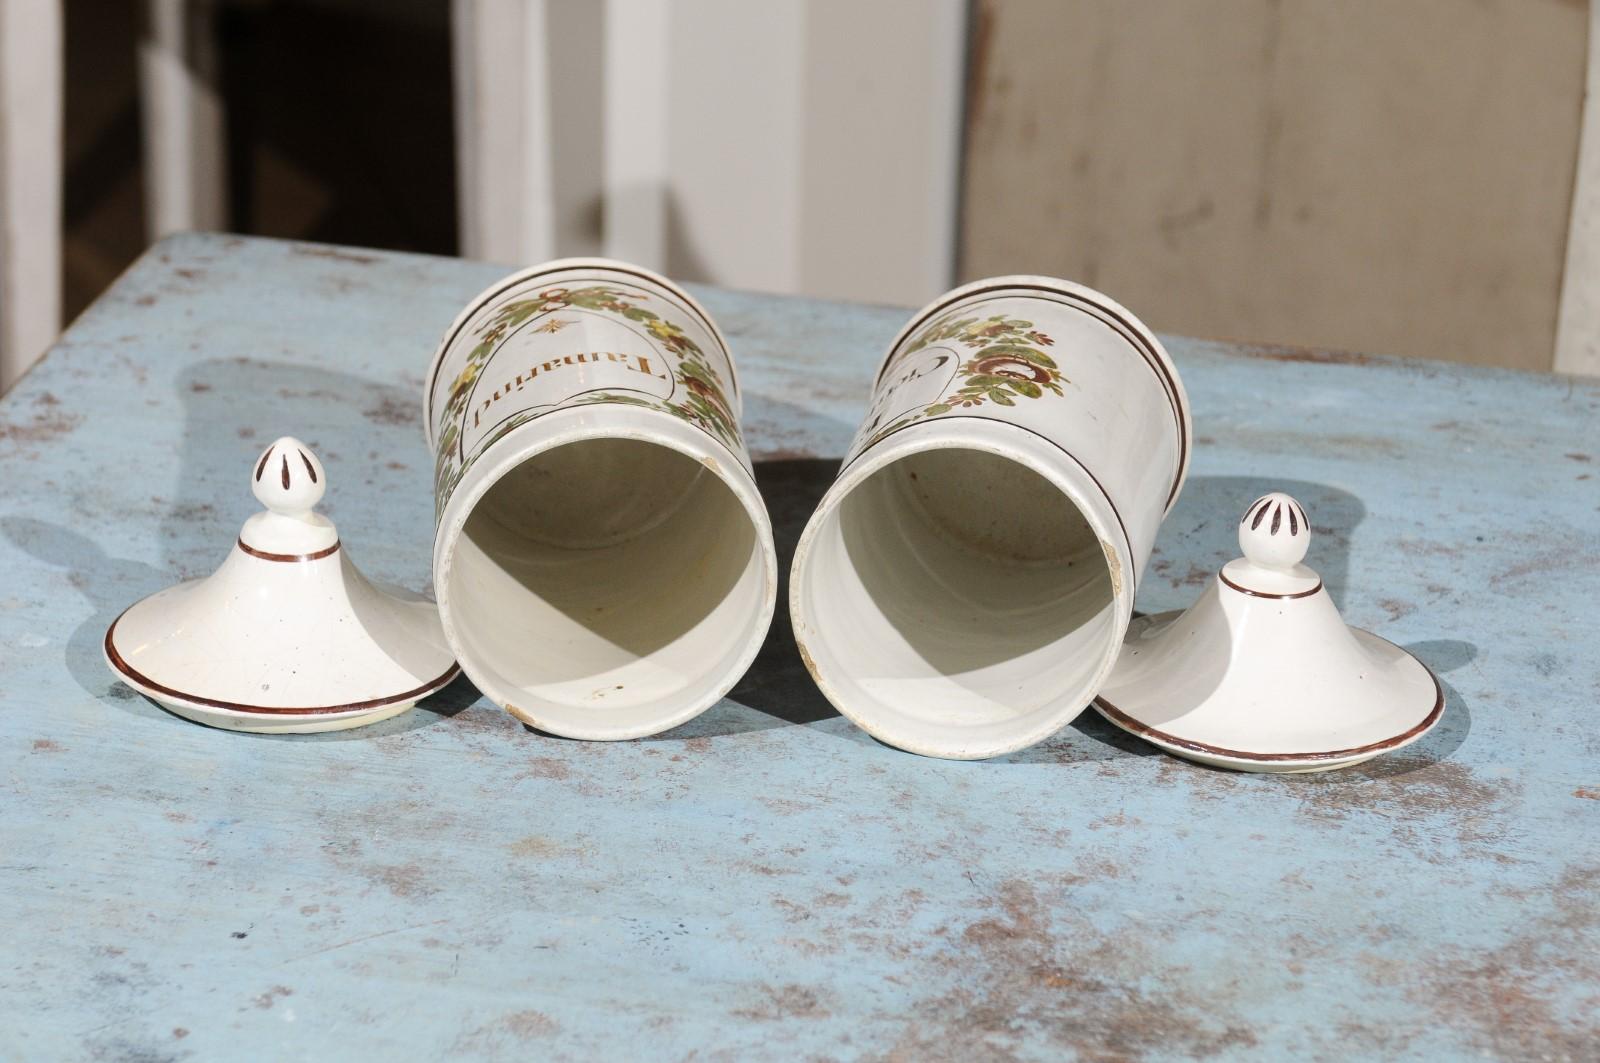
x=1145, y=731
x=1135, y=336
x=483, y=299
x=140, y=679
x=265, y=556
x=1263, y=594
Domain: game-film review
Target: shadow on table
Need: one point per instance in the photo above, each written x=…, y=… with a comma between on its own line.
x=364, y=430
x=111, y=584
x=1198, y=537
x=108, y=583
x=1201, y=534
x=778, y=683
x=232, y=409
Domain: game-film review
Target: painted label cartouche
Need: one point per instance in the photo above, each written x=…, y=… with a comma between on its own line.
x=575, y=336
x=960, y=362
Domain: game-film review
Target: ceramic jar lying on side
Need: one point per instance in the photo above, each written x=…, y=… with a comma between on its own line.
x=964, y=586
x=603, y=562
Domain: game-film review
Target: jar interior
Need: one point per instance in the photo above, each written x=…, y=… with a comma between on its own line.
x=604, y=586
x=955, y=600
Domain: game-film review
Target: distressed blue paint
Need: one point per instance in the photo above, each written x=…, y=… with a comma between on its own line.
x=768, y=882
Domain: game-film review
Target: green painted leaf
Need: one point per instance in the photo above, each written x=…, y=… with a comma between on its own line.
x=986, y=381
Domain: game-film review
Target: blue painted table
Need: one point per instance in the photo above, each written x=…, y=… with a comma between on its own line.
x=768, y=881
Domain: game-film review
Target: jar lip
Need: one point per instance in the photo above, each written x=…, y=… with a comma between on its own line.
x=488, y=294
x=1086, y=299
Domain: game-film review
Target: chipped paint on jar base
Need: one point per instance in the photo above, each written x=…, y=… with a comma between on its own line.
x=964, y=586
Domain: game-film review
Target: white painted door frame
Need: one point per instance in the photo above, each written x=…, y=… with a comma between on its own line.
x=185, y=158
x=1578, y=326
x=802, y=146
x=30, y=182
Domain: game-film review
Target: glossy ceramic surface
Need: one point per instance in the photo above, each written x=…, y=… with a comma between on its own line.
x=287, y=635
x=1261, y=674
x=604, y=563
x=964, y=586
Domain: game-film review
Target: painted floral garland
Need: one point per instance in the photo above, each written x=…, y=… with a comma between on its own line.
x=1005, y=365
x=704, y=403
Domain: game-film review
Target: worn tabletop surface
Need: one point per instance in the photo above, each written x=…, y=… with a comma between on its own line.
x=768, y=881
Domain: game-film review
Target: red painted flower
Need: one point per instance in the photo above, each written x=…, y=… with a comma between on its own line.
x=1015, y=368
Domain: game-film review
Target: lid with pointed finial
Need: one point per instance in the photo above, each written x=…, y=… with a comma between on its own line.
x=1261, y=674
x=287, y=635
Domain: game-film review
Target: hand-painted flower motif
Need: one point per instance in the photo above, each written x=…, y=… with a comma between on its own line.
x=1007, y=364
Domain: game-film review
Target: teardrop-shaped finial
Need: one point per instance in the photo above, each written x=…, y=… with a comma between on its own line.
x=1274, y=532
x=288, y=479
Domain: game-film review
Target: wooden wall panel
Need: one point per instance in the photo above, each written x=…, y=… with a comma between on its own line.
x=1386, y=175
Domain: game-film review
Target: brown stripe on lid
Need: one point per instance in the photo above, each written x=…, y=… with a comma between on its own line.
x=266, y=556
x=1144, y=730
x=138, y=679
x=1223, y=576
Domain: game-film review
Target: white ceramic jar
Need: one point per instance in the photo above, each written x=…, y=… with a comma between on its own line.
x=964, y=586
x=603, y=563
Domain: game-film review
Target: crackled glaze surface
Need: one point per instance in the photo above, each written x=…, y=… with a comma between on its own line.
x=768, y=882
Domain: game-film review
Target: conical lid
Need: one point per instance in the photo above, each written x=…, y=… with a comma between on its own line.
x=1261, y=674
x=287, y=634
